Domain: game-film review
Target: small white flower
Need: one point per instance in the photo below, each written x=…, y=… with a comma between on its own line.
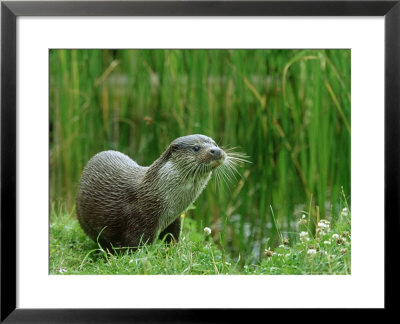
x=327, y=242
x=304, y=216
x=335, y=236
x=304, y=237
x=207, y=230
x=303, y=234
x=312, y=251
x=323, y=225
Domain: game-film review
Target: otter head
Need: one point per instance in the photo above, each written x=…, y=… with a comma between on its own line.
x=194, y=157
x=195, y=154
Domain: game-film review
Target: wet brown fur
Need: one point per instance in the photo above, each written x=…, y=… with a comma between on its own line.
x=122, y=204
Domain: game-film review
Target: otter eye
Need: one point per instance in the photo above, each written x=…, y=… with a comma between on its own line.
x=196, y=148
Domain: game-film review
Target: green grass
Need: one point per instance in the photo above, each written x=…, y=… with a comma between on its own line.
x=288, y=110
x=72, y=252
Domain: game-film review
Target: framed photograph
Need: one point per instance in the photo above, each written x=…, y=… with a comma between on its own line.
x=188, y=155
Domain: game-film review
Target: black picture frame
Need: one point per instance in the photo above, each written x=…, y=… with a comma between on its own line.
x=10, y=10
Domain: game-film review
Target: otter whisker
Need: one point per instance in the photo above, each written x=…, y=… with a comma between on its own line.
x=238, y=161
x=230, y=152
x=231, y=163
x=228, y=170
x=220, y=175
x=228, y=175
x=217, y=180
x=189, y=174
x=188, y=169
x=238, y=157
x=229, y=149
x=232, y=167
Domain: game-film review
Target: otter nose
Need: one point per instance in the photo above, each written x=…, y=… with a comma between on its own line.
x=216, y=153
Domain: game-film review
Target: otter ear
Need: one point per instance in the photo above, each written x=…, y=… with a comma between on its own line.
x=172, y=148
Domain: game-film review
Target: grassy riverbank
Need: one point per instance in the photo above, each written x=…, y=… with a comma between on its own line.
x=324, y=250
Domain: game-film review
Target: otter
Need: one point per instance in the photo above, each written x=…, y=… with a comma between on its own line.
x=122, y=204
